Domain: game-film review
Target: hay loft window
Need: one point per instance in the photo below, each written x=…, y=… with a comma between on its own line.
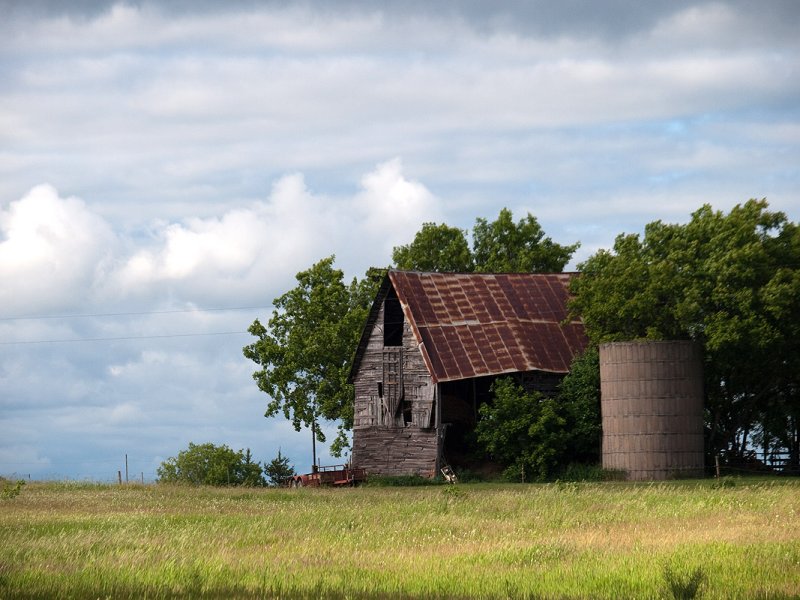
x=392, y=320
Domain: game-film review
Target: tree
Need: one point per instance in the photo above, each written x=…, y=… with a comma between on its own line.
x=501, y=246
x=251, y=471
x=306, y=350
x=540, y=436
x=278, y=471
x=578, y=402
x=207, y=464
x=523, y=430
x=731, y=283
x=438, y=248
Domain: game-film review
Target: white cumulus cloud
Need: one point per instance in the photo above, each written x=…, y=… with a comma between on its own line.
x=52, y=249
x=393, y=206
x=57, y=253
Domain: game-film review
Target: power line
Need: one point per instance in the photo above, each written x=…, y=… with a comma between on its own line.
x=129, y=337
x=128, y=314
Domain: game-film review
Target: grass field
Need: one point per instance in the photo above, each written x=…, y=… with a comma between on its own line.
x=593, y=540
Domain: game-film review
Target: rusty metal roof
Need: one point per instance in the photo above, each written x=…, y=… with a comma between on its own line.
x=476, y=324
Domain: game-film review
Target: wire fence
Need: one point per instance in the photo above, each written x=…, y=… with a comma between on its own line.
x=103, y=470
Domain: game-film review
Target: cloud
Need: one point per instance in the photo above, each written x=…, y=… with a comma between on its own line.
x=394, y=207
x=58, y=253
x=52, y=250
x=173, y=108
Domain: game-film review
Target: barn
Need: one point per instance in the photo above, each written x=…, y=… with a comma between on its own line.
x=433, y=344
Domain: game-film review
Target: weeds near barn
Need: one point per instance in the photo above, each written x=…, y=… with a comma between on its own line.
x=565, y=540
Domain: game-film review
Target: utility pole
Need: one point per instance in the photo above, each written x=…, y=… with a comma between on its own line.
x=314, y=444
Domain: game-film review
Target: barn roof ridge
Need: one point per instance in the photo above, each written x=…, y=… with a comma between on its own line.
x=480, y=273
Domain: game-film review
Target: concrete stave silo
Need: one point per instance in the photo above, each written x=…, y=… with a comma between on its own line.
x=652, y=408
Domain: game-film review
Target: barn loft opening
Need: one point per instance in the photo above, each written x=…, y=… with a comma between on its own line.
x=392, y=320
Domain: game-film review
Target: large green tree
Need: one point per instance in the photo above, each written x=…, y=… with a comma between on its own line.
x=502, y=246
x=499, y=246
x=731, y=282
x=306, y=348
x=438, y=248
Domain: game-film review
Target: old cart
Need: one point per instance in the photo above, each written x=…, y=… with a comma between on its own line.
x=333, y=475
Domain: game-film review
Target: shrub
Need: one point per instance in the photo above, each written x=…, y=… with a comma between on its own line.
x=10, y=490
x=522, y=430
x=207, y=464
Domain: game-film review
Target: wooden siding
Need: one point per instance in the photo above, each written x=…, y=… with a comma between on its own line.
x=395, y=451
x=405, y=384
x=393, y=428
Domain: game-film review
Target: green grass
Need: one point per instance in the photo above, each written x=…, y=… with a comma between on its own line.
x=561, y=540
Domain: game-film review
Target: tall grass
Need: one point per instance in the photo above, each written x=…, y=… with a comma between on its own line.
x=563, y=540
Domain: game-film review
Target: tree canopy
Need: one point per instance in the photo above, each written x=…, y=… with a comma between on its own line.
x=306, y=349
x=207, y=464
x=731, y=282
x=502, y=246
x=438, y=248
x=499, y=246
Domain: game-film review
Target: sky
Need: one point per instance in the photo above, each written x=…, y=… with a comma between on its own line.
x=166, y=168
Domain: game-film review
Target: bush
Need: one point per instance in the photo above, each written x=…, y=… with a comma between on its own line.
x=579, y=404
x=579, y=472
x=207, y=464
x=10, y=490
x=522, y=430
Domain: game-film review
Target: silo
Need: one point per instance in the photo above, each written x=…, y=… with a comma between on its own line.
x=652, y=408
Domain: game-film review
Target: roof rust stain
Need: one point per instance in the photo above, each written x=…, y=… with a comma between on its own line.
x=476, y=324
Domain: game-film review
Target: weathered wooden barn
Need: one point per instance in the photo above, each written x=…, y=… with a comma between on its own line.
x=430, y=350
